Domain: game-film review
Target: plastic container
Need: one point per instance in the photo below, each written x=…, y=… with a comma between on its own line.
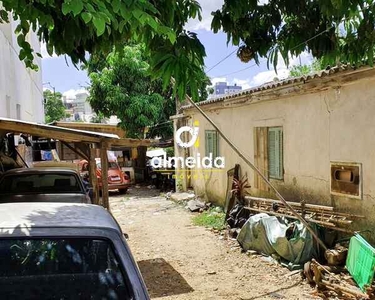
x=361, y=261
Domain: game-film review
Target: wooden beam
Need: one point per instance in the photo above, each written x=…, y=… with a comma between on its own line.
x=84, y=148
x=130, y=142
x=104, y=170
x=93, y=178
x=77, y=151
x=46, y=131
x=271, y=201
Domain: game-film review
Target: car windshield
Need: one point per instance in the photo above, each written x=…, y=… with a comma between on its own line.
x=39, y=183
x=111, y=165
x=75, y=268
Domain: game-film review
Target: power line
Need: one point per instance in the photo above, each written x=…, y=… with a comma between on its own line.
x=263, y=60
x=223, y=59
x=235, y=72
x=253, y=65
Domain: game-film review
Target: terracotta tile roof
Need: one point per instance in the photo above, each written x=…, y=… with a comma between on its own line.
x=275, y=84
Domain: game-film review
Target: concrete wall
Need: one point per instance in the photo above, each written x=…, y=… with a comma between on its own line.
x=336, y=124
x=21, y=90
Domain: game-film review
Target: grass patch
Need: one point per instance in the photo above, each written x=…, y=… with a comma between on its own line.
x=210, y=219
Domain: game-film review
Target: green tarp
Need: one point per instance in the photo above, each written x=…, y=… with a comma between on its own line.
x=269, y=235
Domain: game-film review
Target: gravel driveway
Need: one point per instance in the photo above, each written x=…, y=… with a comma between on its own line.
x=181, y=261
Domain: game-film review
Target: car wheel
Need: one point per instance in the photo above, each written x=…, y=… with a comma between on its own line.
x=123, y=191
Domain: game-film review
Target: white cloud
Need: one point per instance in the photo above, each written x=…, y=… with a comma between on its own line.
x=71, y=94
x=244, y=83
x=43, y=51
x=218, y=79
x=268, y=76
x=208, y=6
x=282, y=71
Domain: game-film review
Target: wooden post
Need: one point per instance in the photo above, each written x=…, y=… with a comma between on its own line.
x=93, y=178
x=104, y=164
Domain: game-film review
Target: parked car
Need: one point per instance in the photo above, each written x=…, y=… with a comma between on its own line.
x=117, y=180
x=43, y=185
x=65, y=251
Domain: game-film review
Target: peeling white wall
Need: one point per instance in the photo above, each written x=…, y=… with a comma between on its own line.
x=318, y=128
x=21, y=89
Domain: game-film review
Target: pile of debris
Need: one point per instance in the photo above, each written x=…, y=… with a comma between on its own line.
x=190, y=201
x=268, y=227
x=349, y=273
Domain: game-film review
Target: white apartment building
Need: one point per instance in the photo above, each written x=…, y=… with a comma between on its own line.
x=21, y=89
x=77, y=106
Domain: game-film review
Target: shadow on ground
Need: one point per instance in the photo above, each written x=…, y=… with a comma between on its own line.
x=162, y=279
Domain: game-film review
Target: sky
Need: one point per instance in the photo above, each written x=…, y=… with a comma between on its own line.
x=61, y=74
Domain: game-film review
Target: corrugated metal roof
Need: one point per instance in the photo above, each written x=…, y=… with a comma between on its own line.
x=274, y=84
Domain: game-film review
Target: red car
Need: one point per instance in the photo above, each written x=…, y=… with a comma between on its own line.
x=117, y=180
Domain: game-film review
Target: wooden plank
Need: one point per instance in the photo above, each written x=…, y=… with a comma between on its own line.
x=84, y=148
x=77, y=151
x=130, y=143
x=230, y=197
x=322, y=223
x=261, y=156
x=266, y=200
x=95, y=127
x=93, y=178
x=46, y=131
x=104, y=170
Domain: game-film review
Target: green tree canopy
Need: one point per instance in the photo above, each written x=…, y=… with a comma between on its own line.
x=331, y=30
x=121, y=85
x=334, y=30
x=54, y=108
x=78, y=27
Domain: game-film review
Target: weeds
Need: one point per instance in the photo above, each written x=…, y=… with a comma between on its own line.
x=210, y=219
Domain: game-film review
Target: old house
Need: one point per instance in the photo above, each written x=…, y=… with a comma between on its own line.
x=313, y=137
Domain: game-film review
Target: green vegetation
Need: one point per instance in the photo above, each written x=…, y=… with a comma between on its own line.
x=54, y=108
x=80, y=27
x=121, y=85
x=333, y=30
x=302, y=70
x=210, y=219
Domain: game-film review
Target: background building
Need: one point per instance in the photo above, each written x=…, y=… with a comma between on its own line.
x=222, y=88
x=21, y=91
x=78, y=107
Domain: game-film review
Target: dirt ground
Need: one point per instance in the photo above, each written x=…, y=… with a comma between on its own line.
x=181, y=261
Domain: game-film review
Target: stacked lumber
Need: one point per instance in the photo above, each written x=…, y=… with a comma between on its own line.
x=322, y=215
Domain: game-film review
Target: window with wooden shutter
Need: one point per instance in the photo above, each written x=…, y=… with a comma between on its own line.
x=211, y=143
x=275, y=153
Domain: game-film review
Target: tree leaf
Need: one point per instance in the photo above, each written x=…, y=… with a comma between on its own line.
x=116, y=5
x=76, y=6
x=66, y=8
x=99, y=25
x=86, y=17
